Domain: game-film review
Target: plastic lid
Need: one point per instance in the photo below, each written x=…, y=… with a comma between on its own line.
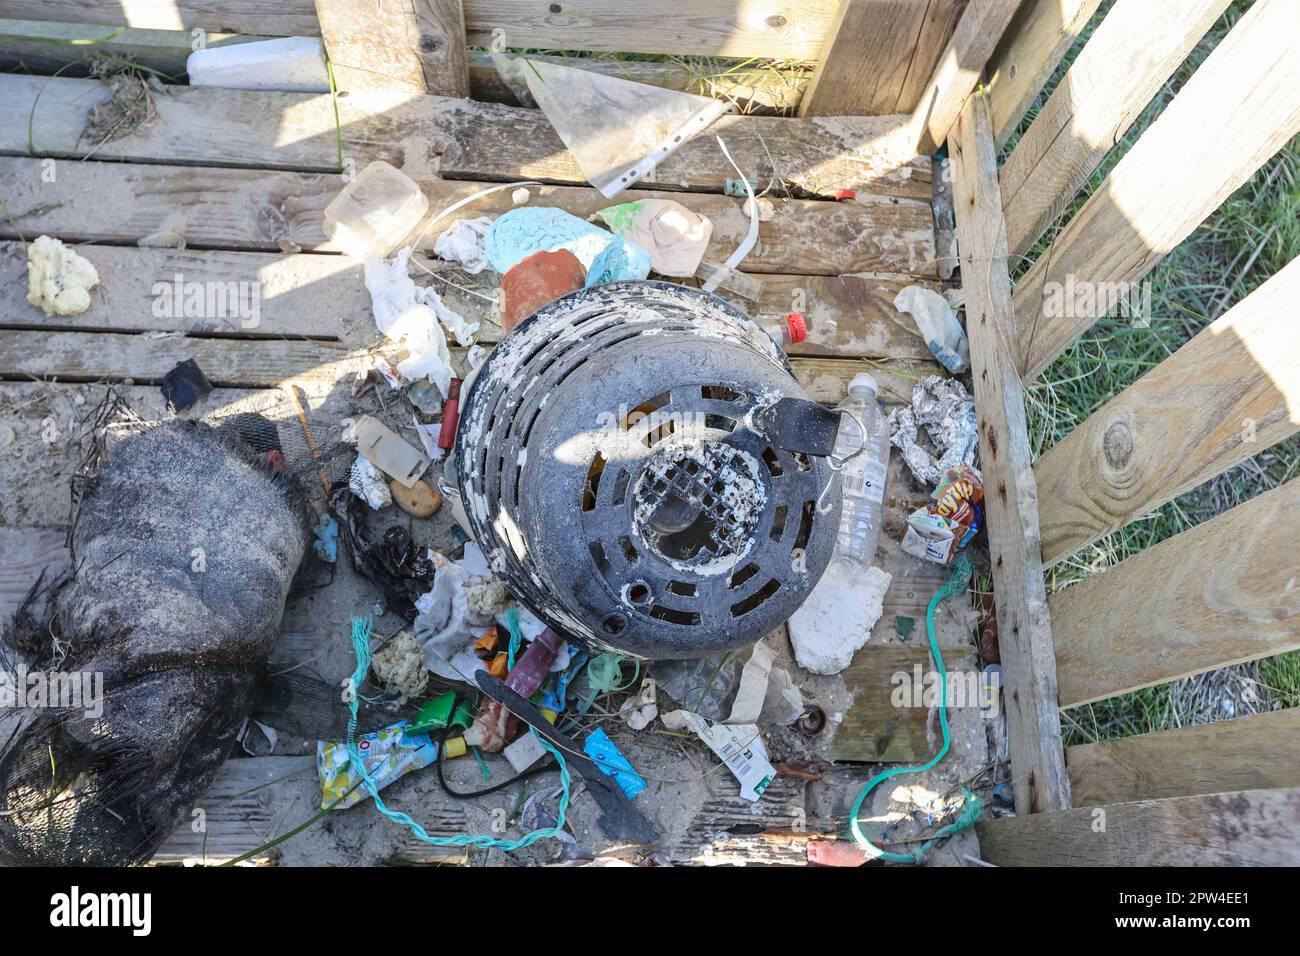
x=794, y=321
x=863, y=382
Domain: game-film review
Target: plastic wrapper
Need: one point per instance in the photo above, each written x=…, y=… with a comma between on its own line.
x=674, y=236
x=938, y=325
x=953, y=516
x=387, y=754
x=946, y=411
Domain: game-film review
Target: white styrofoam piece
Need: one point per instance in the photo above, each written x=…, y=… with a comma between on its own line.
x=292, y=64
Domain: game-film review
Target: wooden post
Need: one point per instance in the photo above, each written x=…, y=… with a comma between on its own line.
x=1010, y=495
x=973, y=41
x=876, y=56
x=416, y=45
x=1239, y=109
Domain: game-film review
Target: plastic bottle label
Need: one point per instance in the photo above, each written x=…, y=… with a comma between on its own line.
x=869, y=483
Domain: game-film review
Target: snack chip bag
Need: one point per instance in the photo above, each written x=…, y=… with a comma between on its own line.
x=953, y=516
x=387, y=754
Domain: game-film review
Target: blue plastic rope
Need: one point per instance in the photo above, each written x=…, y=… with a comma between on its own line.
x=361, y=628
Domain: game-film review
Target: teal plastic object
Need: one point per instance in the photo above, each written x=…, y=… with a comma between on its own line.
x=518, y=234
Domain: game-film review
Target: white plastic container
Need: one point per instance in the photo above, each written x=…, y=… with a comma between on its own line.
x=374, y=213
x=865, y=475
x=293, y=64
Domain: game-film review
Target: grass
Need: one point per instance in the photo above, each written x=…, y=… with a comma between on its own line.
x=1249, y=239
x=751, y=84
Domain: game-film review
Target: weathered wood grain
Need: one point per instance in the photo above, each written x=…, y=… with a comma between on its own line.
x=1243, y=828
x=91, y=356
x=1247, y=753
x=874, y=730
x=973, y=40
x=282, y=295
x=1221, y=593
x=784, y=29
x=872, y=50
x=1040, y=34
x=257, y=210
x=1010, y=493
x=285, y=18
x=414, y=45
x=1240, y=108
x=324, y=296
x=46, y=46
x=1223, y=397
x=1125, y=63
x=256, y=799
x=458, y=139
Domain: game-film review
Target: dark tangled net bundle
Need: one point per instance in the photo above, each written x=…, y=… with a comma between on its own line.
x=184, y=544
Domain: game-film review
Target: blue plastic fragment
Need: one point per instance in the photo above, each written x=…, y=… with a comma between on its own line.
x=612, y=763
x=326, y=544
x=556, y=699
x=516, y=235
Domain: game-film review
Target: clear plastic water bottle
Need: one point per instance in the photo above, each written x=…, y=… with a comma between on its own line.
x=864, y=475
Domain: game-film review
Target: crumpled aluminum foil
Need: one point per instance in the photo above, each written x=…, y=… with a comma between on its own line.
x=947, y=412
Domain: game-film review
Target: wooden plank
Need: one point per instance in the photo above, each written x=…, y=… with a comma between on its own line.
x=1010, y=493
x=429, y=135
x=1240, y=108
x=237, y=293
x=869, y=53
x=47, y=46
x=91, y=356
x=1222, y=593
x=977, y=34
x=814, y=157
x=253, y=800
x=1249, y=753
x=723, y=831
x=783, y=29
x=874, y=730
x=255, y=209
x=1223, y=397
x=266, y=363
x=1128, y=59
x=1040, y=35
x=1243, y=828
x=324, y=296
x=827, y=379
x=414, y=45
x=283, y=18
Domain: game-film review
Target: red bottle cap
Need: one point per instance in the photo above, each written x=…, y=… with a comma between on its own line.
x=794, y=321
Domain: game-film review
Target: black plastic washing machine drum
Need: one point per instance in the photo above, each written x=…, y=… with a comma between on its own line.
x=642, y=469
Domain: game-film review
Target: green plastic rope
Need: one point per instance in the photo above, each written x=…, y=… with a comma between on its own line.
x=361, y=647
x=972, y=807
